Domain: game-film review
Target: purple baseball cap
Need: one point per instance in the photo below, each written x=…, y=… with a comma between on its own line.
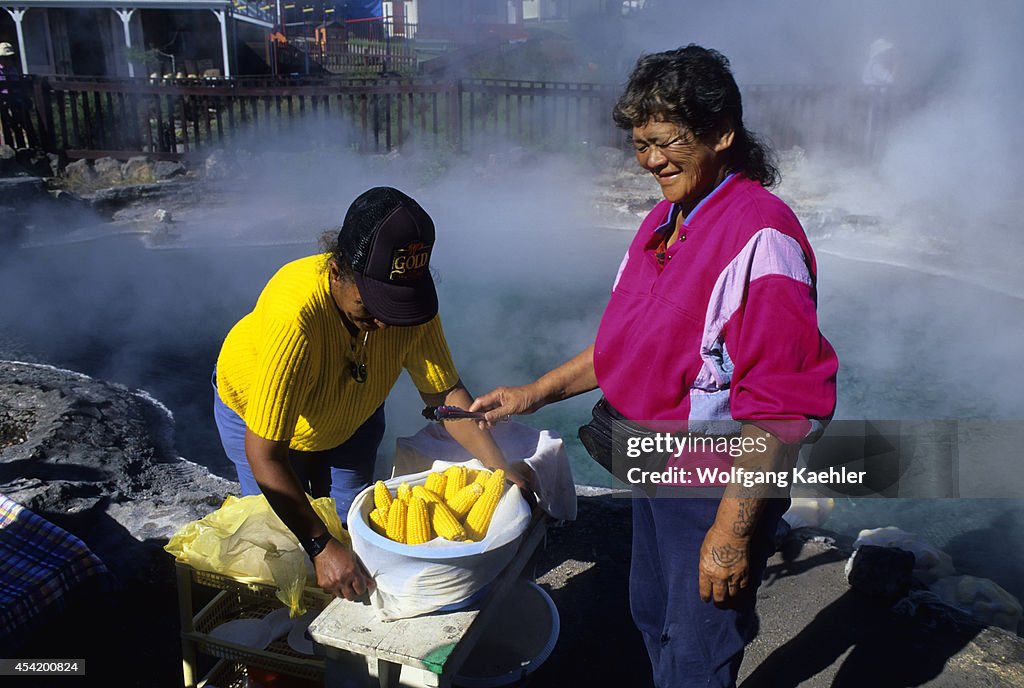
x=387, y=238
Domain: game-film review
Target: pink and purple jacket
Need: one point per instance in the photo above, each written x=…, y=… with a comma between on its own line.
x=727, y=330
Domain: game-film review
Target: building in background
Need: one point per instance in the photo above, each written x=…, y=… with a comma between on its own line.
x=137, y=37
x=212, y=38
x=466, y=21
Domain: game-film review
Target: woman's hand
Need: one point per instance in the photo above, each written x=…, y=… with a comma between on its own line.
x=518, y=473
x=503, y=402
x=573, y=377
x=724, y=567
x=339, y=572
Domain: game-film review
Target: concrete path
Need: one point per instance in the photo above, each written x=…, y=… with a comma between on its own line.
x=815, y=631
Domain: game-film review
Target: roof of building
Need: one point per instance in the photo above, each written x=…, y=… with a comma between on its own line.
x=120, y=4
x=249, y=9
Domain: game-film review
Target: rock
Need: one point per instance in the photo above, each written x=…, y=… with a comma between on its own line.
x=98, y=460
x=33, y=161
x=108, y=171
x=7, y=159
x=79, y=175
x=18, y=192
x=67, y=198
x=880, y=571
x=55, y=164
x=121, y=197
x=165, y=169
x=138, y=170
x=219, y=165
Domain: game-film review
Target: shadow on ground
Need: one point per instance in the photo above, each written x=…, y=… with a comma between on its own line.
x=585, y=569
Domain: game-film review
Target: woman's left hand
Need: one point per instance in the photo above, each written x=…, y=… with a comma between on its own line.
x=724, y=566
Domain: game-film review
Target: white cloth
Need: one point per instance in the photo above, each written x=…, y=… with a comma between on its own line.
x=542, y=450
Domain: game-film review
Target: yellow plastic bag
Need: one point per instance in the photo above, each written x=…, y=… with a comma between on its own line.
x=244, y=539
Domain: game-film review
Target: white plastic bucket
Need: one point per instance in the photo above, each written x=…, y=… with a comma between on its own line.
x=519, y=638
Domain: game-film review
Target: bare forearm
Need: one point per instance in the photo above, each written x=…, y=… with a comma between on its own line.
x=277, y=480
x=741, y=506
x=476, y=440
x=573, y=377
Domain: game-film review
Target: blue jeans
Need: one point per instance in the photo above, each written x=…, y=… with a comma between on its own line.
x=690, y=642
x=341, y=472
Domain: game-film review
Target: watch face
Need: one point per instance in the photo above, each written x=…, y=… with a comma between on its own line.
x=317, y=545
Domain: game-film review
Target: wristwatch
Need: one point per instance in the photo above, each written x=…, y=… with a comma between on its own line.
x=316, y=545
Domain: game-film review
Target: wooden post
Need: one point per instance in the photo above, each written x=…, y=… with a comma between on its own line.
x=455, y=115
x=44, y=115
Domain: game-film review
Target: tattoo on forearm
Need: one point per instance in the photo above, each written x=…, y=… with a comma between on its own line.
x=746, y=517
x=727, y=555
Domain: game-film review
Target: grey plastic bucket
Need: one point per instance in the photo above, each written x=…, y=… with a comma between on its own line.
x=519, y=638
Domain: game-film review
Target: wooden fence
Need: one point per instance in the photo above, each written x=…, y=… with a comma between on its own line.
x=175, y=119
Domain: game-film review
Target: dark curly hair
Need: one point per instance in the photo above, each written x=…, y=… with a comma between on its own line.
x=694, y=88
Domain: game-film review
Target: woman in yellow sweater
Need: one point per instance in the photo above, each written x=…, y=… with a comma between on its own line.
x=301, y=381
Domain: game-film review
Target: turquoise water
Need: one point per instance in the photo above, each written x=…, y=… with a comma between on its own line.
x=910, y=345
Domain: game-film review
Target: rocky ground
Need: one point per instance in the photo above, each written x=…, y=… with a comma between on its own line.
x=98, y=460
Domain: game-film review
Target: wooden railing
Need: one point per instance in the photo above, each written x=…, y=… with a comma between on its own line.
x=172, y=119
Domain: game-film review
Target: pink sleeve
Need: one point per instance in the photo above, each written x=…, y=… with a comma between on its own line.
x=784, y=379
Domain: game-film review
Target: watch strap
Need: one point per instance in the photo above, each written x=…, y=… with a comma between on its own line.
x=316, y=545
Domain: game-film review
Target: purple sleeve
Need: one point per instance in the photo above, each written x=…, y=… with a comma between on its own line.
x=784, y=376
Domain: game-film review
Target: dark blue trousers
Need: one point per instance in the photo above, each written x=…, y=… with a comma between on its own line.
x=690, y=642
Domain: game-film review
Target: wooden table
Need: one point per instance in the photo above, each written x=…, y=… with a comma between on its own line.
x=438, y=643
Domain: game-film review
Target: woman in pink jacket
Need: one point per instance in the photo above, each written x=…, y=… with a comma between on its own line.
x=711, y=332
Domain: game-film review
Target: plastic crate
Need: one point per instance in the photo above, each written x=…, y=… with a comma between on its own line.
x=228, y=605
x=312, y=597
x=226, y=675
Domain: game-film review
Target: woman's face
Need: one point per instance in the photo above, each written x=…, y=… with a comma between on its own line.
x=687, y=168
x=350, y=303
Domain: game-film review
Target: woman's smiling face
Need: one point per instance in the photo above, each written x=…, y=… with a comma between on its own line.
x=687, y=168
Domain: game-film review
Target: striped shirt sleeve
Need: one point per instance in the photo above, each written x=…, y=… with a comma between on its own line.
x=429, y=361
x=784, y=379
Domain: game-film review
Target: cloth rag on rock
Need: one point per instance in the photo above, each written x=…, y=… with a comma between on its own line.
x=40, y=564
x=542, y=450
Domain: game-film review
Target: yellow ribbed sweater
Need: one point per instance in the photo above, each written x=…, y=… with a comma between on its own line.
x=284, y=367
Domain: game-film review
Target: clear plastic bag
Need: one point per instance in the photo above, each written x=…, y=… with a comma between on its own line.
x=245, y=540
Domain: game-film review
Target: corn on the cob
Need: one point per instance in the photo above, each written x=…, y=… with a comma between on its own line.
x=418, y=529
x=479, y=517
x=456, y=481
x=425, y=494
x=404, y=492
x=445, y=523
x=379, y=521
x=435, y=483
x=481, y=477
x=397, y=518
x=464, y=500
x=381, y=496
